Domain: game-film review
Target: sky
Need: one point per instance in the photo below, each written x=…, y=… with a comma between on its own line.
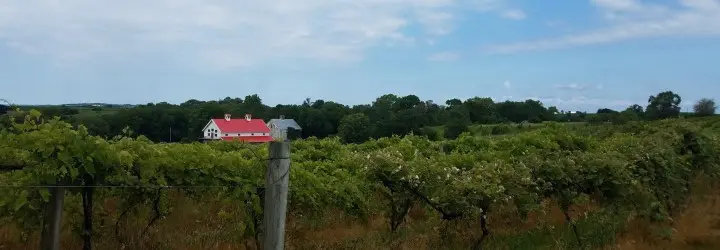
x=573, y=54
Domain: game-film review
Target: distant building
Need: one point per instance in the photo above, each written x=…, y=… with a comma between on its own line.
x=279, y=127
x=248, y=130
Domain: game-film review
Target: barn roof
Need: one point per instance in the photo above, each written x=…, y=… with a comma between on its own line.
x=285, y=123
x=242, y=126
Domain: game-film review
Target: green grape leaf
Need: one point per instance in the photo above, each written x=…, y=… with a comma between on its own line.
x=45, y=194
x=21, y=200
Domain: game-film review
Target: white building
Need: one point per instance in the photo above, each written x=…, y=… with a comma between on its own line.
x=248, y=129
x=279, y=127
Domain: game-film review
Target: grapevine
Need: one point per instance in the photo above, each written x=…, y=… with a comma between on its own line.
x=646, y=168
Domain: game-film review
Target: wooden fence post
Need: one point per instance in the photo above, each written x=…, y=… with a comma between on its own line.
x=52, y=222
x=277, y=177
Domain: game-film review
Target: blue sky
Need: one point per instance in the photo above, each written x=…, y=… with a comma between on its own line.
x=573, y=54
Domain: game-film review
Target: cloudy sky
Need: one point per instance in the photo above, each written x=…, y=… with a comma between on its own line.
x=575, y=54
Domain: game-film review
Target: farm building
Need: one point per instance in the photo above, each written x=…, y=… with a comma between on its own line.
x=279, y=127
x=247, y=129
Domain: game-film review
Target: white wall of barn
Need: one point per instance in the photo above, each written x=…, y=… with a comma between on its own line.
x=211, y=131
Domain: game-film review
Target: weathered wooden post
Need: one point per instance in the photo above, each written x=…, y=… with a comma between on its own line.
x=52, y=223
x=277, y=177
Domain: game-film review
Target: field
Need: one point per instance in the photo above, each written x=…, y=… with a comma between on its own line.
x=643, y=185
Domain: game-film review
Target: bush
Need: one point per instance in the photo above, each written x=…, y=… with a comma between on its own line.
x=454, y=129
x=501, y=129
x=429, y=132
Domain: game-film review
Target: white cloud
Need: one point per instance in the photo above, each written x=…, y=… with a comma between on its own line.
x=583, y=101
x=507, y=84
x=572, y=86
x=513, y=14
x=634, y=20
x=222, y=33
x=436, y=22
x=502, y=99
x=444, y=56
x=617, y=4
x=573, y=102
x=505, y=10
x=487, y=5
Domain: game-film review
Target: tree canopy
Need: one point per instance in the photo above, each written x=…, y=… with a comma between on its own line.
x=664, y=105
x=387, y=115
x=705, y=107
x=355, y=128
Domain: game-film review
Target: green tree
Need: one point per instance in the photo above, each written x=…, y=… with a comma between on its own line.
x=552, y=113
x=623, y=117
x=314, y=122
x=482, y=110
x=254, y=106
x=606, y=111
x=457, y=123
x=334, y=112
x=432, y=133
x=635, y=109
x=355, y=128
x=664, y=105
x=383, y=115
x=705, y=107
x=293, y=133
x=453, y=102
x=598, y=118
x=388, y=114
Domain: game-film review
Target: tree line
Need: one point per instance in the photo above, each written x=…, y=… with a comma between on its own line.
x=386, y=116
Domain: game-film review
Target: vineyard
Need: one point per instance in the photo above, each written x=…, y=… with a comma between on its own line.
x=400, y=192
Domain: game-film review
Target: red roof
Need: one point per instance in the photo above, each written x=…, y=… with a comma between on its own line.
x=242, y=126
x=248, y=138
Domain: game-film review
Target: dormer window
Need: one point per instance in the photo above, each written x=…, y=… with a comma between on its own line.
x=248, y=117
x=227, y=117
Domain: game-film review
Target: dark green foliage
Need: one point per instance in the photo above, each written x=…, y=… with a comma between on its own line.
x=705, y=107
x=664, y=105
x=293, y=134
x=63, y=112
x=501, y=129
x=355, y=128
x=643, y=169
x=606, y=111
x=458, y=122
x=388, y=115
x=430, y=132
